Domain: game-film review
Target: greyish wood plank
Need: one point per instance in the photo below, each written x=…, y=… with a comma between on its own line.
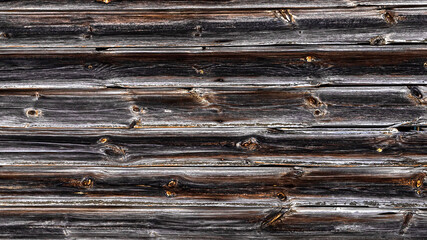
x=214, y=147
x=222, y=222
x=114, y=5
x=213, y=67
x=198, y=107
x=168, y=5
x=213, y=28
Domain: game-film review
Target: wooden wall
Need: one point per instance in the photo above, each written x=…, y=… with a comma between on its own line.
x=218, y=119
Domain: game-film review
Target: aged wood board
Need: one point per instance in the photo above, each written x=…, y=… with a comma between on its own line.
x=219, y=119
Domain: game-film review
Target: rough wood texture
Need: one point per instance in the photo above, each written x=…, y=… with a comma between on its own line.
x=213, y=28
x=292, y=66
x=214, y=147
x=213, y=119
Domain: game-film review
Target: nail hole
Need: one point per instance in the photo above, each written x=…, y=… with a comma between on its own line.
x=219, y=80
x=317, y=112
x=103, y=140
x=203, y=48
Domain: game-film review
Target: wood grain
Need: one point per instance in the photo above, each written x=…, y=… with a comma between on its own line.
x=126, y=108
x=314, y=66
x=167, y=5
x=213, y=28
x=222, y=222
x=193, y=147
x=213, y=119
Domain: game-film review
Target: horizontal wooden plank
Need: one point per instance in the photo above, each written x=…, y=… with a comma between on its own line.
x=109, y=5
x=213, y=183
x=212, y=67
x=213, y=28
x=193, y=107
x=214, y=147
x=219, y=222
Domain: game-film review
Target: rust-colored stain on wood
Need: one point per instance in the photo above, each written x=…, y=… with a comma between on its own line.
x=245, y=119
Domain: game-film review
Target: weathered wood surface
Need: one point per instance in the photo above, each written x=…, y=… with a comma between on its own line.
x=214, y=147
x=218, y=222
x=198, y=107
x=213, y=28
x=108, y=5
x=213, y=119
x=289, y=66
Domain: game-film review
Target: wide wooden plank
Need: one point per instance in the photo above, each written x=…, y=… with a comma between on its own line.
x=213, y=67
x=192, y=107
x=214, y=147
x=213, y=183
x=213, y=28
x=220, y=222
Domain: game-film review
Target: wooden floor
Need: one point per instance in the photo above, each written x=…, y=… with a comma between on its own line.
x=213, y=119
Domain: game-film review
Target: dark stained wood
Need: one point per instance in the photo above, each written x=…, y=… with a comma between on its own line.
x=213, y=28
x=213, y=67
x=214, y=147
x=212, y=183
x=215, y=119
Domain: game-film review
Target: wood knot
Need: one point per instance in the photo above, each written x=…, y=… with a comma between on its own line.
x=86, y=182
x=312, y=101
x=287, y=15
x=103, y=140
x=169, y=194
x=309, y=59
x=172, y=183
x=378, y=41
x=389, y=17
x=281, y=196
x=4, y=35
x=198, y=32
x=104, y=1
x=33, y=113
x=114, y=150
x=415, y=92
x=250, y=144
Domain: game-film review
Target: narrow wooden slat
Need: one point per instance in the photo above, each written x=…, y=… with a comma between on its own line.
x=213, y=28
x=192, y=107
x=221, y=222
x=213, y=67
x=110, y=5
x=213, y=183
x=214, y=147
